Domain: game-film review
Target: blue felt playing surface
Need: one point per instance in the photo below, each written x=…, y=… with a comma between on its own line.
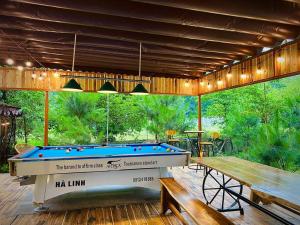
x=99, y=151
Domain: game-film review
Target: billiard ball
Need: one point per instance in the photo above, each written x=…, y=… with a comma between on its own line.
x=79, y=149
x=168, y=149
x=154, y=147
x=40, y=155
x=134, y=149
x=68, y=150
x=140, y=148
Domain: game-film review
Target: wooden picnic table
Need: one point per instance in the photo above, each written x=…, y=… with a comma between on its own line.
x=267, y=183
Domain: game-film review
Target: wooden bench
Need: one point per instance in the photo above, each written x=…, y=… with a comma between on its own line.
x=174, y=196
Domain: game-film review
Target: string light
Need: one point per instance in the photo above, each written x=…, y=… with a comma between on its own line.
x=259, y=69
x=56, y=74
x=28, y=64
x=10, y=61
x=280, y=58
x=33, y=75
x=208, y=85
x=186, y=83
x=44, y=74
x=229, y=74
x=20, y=68
x=243, y=75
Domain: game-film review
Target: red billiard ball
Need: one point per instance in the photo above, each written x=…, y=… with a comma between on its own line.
x=40, y=155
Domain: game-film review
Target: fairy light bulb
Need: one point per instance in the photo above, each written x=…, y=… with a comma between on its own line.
x=44, y=74
x=259, y=71
x=28, y=64
x=20, y=68
x=186, y=83
x=208, y=85
x=10, y=61
x=280, y=59
x=56, y=74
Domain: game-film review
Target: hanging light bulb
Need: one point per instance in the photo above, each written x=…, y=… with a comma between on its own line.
x=243, y=74
x=219, y=82
x=28, y=64
x=20, y=68
x=10, y=61
x=33, y=75
x=280, y=58
x=56, y=74
x=44, y=74
x=208, y=85
x=201, y=83
x=259, y=69
x=186, y=83
x=229, y=74
x=41, y=78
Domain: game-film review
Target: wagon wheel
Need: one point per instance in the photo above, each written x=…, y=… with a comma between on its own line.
x=217, y=196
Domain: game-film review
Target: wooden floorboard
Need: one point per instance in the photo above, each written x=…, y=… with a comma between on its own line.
x=16, y=209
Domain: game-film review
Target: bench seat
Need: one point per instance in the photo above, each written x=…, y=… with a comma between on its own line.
x=174, y=196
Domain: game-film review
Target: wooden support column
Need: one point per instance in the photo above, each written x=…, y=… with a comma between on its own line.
x=46, y=118
x=199, y=113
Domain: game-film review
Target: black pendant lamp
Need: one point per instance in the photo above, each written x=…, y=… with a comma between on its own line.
x=140, y=89
x=107, y=88
x=72, y=84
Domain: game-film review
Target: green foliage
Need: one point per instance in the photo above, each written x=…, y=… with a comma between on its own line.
x=32, y=104
x=167, y=113
x=81, y=118
x=4, y=168
x=262, y=120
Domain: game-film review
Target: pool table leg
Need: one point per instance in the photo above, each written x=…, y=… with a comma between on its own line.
x=39, y=189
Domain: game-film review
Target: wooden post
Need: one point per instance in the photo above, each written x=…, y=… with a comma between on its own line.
x=199, y=127
x=46, y=118
x=199, y=113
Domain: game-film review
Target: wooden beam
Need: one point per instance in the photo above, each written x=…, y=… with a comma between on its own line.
x=46, y=118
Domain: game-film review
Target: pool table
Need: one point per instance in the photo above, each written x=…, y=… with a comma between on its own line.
x=56, y=170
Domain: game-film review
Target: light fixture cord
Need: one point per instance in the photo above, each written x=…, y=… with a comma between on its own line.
x=140, y=62
x=74, y=51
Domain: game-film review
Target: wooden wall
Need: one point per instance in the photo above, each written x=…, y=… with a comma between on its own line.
x=10, y=78
x=272, y=69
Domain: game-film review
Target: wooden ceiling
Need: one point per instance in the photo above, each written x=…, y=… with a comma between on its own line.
x=180, y=38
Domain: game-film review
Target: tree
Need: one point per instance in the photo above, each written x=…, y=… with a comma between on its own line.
x=167, y=113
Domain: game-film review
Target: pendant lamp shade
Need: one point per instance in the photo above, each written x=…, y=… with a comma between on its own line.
x=139, y=90
x=72, y=85
x=107, y=88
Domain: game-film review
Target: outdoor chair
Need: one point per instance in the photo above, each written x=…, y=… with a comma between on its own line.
x=23, y=147
x=170, y=138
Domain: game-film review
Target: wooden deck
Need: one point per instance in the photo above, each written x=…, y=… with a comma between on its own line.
x=15, y=208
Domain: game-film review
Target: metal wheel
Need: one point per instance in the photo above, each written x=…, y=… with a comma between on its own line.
x=214, y=191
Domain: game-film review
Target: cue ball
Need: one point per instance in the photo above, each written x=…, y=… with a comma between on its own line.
x=140, y=148
x=40, y=155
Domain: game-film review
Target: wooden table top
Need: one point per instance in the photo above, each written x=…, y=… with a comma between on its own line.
x=193, y=131
x=278, y=186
